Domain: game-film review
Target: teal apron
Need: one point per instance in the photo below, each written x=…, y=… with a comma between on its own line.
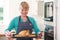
x=24, y=26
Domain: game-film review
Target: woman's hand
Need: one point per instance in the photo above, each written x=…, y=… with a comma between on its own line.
x=40, y=35
x=8, y=34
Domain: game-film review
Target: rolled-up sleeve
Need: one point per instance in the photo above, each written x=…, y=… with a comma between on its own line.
x=11, y=26
x=35, y=27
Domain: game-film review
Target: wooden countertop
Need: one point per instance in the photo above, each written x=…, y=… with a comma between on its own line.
x=2, y=35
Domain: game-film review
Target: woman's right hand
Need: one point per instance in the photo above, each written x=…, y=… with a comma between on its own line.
x=8, y=34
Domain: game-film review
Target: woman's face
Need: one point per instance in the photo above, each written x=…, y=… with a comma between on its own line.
x=24, y=12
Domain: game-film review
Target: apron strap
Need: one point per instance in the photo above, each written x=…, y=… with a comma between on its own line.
x=19, y=18
x=27, y=19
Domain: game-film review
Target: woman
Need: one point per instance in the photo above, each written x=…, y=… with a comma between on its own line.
x=22, y=22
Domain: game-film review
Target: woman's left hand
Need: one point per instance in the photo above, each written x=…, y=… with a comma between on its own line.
x=40, y=35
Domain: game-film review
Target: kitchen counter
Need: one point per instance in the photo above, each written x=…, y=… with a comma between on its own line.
x=1, y=35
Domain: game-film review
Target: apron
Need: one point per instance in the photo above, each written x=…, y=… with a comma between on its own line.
x=24, y=26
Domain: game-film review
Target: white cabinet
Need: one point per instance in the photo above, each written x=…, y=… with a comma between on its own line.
x=41, y=8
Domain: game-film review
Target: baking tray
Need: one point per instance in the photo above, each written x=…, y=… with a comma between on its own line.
x=14, y=36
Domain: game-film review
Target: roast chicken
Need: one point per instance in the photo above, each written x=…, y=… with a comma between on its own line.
x=24, y=33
